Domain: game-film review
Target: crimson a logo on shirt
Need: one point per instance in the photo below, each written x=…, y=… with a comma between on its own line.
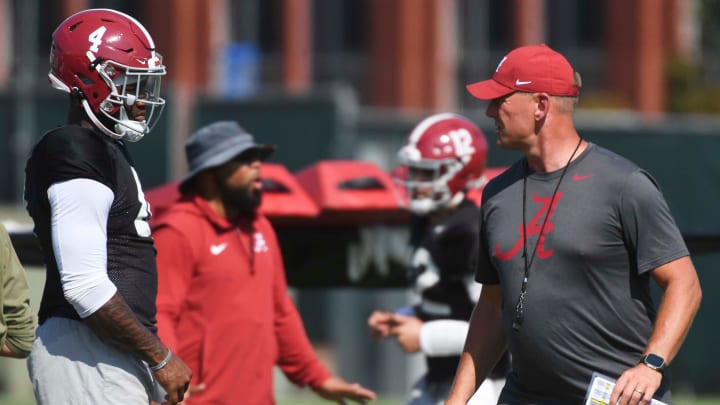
x=534, y=228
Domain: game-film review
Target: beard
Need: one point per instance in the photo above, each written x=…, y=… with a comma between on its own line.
x=245, y=200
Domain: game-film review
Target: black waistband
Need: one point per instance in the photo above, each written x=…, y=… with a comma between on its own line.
x=60, y=312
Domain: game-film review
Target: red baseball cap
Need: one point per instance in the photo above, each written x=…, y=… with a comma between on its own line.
x=530, y=69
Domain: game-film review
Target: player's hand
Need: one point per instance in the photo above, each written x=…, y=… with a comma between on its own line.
x=406, y=330
x=380, y=323
x=338, y=390
x=636, y=385
x=175, y=378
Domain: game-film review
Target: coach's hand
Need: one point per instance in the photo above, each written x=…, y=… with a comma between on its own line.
x=636, y=386
x=175, y=378
x=338, y=390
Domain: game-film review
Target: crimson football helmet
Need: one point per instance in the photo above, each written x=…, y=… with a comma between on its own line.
x=108, y=60
x=442, y=158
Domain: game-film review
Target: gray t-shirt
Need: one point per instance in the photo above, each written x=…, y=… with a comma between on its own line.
x=588, y=305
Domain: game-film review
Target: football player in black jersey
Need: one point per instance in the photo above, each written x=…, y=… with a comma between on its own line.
x=97, y=341
x=442, y=165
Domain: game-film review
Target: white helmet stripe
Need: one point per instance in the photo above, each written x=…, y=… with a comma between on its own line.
x=427, y=123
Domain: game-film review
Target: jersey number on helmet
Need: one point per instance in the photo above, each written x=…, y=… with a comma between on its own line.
x=462, y=140
x=95, y=38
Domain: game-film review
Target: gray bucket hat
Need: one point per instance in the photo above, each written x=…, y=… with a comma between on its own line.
x=216, y=144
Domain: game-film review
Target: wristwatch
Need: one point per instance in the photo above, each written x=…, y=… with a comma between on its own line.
x=654, y=361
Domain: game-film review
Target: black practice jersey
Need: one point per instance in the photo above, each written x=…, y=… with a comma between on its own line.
x=72, y=152
x=442, y=268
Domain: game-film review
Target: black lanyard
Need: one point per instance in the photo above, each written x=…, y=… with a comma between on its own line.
x=519, y=310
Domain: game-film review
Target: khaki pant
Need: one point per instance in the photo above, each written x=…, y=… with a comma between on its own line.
x=69, y=364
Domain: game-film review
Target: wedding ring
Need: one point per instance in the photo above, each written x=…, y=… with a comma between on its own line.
x=639, y=392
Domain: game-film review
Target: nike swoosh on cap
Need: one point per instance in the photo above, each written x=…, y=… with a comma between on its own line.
x=521, y=83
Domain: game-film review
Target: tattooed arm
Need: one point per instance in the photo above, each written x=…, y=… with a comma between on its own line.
x=116, y=323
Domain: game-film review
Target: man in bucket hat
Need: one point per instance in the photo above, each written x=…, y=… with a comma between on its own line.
x=571, y=236
x=222, y=296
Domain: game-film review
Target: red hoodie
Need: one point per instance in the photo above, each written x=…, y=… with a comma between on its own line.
x=223, y=305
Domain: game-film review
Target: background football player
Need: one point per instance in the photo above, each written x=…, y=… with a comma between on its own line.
x=441, y=162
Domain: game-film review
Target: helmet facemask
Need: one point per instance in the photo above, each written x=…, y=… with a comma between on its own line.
x=130, y=85
x=426, y=184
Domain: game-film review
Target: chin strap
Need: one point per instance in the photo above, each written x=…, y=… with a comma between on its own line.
x=126, y=129
x=99, y=125
x=427, y=205
x=129, y=130
x=423, y=206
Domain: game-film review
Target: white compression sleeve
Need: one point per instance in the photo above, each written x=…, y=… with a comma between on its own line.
x=445, y=337
x=79, y=213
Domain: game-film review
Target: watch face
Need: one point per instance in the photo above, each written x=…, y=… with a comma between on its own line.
x=654, y=361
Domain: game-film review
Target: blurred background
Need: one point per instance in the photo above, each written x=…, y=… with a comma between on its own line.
x=348, y=79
